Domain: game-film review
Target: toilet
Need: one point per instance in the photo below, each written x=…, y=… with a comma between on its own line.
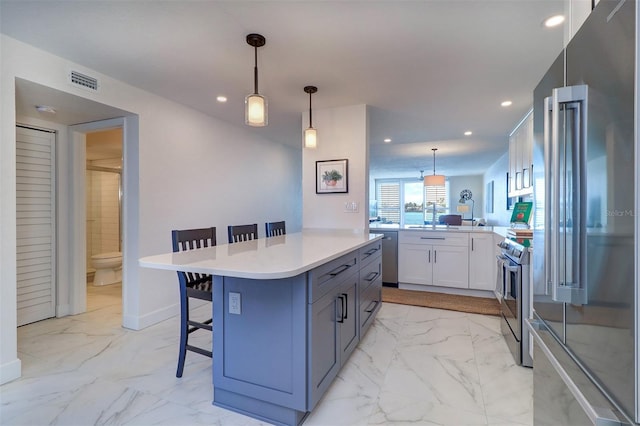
x=108, y=268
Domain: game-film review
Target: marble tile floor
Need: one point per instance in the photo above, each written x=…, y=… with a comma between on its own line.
x=415, y=366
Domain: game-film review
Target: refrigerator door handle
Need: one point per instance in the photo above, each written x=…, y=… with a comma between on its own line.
x=569, y=169
x=549, y=196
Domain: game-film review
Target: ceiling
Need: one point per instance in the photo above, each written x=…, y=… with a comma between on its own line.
x=428, y=70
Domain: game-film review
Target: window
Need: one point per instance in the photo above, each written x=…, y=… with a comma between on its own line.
x=437, y=196
x=409, y=202
x=388, y=196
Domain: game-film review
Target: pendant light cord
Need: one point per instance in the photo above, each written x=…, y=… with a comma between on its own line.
x=310, y=115
x=434, y=160
x=255, y=70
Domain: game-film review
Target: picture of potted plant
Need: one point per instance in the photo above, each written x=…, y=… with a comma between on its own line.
x=331, y=177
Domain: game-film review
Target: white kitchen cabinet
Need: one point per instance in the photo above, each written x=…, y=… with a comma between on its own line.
x=433, y=258
x=521, y=158
x=482, y=261
x=450, y=266
x=414, y=264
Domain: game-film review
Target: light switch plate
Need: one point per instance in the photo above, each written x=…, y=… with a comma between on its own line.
x=235, y=303
x=351, y=207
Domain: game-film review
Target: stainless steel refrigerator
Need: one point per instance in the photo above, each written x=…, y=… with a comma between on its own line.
x=586, y=249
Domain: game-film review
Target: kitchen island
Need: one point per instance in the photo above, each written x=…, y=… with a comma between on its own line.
x=288, y=311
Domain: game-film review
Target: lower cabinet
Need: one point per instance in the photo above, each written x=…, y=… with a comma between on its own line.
x=450, y=266
x=334, y=334
x=351, y=298
x=432, y=258
x=370, y=292
x=482, y=262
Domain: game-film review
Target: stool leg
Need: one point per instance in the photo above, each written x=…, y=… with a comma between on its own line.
x=184, y=329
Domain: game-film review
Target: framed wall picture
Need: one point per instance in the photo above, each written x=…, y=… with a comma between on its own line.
x=332, y=176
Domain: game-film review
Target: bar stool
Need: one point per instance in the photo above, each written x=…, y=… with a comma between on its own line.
x=273, y=229
x=238, y=233
x=192, y=285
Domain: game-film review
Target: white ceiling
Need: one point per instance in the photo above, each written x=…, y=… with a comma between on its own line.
x=429, y=70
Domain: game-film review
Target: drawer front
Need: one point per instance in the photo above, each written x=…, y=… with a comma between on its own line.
x=434, y=238
x=370, y=303
x=370, y=252
x=370, y=273
x=323, y=278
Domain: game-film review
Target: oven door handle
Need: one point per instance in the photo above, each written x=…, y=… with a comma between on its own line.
x=512, y=268
x=505, y=264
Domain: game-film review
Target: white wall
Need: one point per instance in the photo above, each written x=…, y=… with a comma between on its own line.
x=498, y=174
x=192, y=170
x=475, y=185
x=342, y=133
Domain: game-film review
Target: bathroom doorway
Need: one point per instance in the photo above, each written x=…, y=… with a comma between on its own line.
x=103, y=195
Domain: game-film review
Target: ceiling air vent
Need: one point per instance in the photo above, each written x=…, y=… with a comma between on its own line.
x=83, y=81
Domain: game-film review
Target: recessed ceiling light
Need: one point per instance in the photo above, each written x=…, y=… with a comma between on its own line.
x=554, y=21
x=221, y=99
x=506, y=103
x=387, y=140
x=45, y=108
x=468, y=133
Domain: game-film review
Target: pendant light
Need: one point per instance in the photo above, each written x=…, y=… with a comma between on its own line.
x=255, y=104
x=434, y=180
x=310, y=134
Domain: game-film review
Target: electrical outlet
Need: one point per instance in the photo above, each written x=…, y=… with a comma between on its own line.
x=235, y=303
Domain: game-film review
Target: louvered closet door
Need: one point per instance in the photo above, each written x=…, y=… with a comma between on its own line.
x=35, y=217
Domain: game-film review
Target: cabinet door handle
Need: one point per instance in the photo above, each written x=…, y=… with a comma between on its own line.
x=372, y=276
x=472, y=244
x=531, y=176
x=370, y=252
x=371, y=308
x=435, y=256
x=346, y=306
x=429, y=256
x=340, y=318
x=339, y=270
x=432, y=238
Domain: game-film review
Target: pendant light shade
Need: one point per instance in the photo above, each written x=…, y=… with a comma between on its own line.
x=310, y=133
x=310, y=138
x=255, y=104
x=434, y=180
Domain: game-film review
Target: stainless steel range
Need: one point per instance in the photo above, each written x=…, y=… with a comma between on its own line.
x=513, y=293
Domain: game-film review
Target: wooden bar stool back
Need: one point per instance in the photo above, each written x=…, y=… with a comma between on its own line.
x=273, y=229
x=192, y=285
x=237, y=233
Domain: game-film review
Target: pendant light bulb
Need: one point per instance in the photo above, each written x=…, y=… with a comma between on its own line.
x=255, y=104
x=310, y=139
x=434, y=180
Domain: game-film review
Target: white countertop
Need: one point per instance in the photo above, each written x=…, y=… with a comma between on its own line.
x=500, y=230
x=265, y=258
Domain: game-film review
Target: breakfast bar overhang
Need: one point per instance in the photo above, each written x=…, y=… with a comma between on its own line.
x=288, y=311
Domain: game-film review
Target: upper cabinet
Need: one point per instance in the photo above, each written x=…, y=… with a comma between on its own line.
x=521, y=158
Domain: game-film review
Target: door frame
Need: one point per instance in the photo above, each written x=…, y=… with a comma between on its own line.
x=129, y=215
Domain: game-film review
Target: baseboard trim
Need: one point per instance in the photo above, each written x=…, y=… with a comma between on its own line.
x=10, y=371
x=63, y=310
x=143, y=321
x=448, y=290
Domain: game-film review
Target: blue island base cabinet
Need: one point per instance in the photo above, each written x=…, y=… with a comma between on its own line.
x=275, y=359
